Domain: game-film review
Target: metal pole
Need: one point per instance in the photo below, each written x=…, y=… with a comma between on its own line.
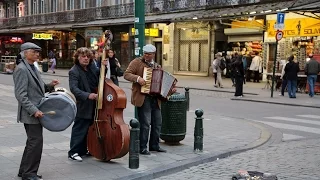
x=139, y=25
x=187, y=95
x=139, y=35
x=274, y=68
x=134, y=144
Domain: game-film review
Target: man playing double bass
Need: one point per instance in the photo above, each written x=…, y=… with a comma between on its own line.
x=83, y=82
x=148, y=106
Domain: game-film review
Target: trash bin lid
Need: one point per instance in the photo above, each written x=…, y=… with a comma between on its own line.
x=177, y=97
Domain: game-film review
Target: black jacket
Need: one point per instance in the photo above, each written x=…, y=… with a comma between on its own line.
x=80, y=87
x=312, y=67
x=291, y=71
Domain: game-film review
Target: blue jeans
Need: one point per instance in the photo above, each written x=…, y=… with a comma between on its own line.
x=150, y=114
x=312, y=79
x=283, y=86
x=292, y=88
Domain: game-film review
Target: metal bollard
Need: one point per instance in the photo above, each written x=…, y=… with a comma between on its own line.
x=198, y=131
x=134, y=144
x=186, y=93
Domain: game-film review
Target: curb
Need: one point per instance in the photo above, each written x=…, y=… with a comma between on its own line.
x=278, y=103
x=182, y=165
x=201, y=89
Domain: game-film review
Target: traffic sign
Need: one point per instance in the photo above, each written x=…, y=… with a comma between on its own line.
x=279, y=26
x=280, y=18
x=279, y=35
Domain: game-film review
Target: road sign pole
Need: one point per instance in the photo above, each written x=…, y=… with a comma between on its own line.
x=139, y=36
x=274, y=68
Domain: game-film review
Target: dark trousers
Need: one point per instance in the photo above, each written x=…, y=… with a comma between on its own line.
x=248, y=75
x=31, y=157
x=115, y=80
x=283, y=86
x=215, y=78
x=78, y=142
x=239, y=86
x=149, y=114
x=256, y=76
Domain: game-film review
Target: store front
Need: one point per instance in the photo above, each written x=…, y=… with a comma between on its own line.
x=301, y=37
x=10, y=44
x=192, y=44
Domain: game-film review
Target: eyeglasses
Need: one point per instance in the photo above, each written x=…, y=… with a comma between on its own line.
x=149, y=54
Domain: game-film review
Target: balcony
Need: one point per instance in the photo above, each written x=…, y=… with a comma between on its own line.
x=152, y=7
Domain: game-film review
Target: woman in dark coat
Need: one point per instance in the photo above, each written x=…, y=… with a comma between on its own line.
x=239, y=75
x=291, y=71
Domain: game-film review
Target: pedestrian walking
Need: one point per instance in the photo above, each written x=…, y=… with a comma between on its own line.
x=29, y=90
x=291, y=71
x=239, y=76
x=219, y=65
x=283, y=77
x=312, y=70
x=52, y=60
x=256, y=67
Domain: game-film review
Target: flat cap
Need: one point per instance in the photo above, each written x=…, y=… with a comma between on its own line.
x=29, y=45
x=149, y=48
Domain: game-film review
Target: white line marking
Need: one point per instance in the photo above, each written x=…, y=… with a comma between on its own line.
x=310, y=116
x=295, y=120
x=293, y=127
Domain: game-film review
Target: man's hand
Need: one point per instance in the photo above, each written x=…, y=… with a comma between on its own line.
x=38, y=114
x=141, y=81
x=54, y=82
x=93, y=96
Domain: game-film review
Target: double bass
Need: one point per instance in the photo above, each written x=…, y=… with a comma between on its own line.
x=108, y=137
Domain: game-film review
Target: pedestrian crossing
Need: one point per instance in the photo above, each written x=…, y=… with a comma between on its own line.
x=295, y=127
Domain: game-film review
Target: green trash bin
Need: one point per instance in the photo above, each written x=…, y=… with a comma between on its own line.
x=174, y=119
x=45, y=66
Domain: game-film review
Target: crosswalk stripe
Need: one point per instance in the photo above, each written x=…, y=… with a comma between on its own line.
x=292, y=127
x=294, y=120
x=287, y=137
x=310, y=116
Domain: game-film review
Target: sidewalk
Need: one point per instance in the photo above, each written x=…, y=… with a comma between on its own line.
x=222, y=137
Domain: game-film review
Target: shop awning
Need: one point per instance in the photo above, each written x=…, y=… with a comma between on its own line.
x=310, y=6
x=130, y=20
x=234, y=12
x=38, y=28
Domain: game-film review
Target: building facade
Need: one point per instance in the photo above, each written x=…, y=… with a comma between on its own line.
x=186, y=33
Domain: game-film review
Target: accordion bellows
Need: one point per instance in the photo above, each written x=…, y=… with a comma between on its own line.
x=158, y=82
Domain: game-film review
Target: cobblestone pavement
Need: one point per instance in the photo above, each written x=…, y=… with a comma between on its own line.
x=292, y=160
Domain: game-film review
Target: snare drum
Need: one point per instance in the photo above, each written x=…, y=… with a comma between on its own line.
x=63, y=104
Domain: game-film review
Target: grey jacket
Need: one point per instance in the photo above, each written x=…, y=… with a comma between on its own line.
x=312, y=67
x=29, y=90
x=79, y=86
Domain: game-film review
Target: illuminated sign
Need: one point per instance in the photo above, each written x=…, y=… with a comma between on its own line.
x=93, y=33
x=297, y=27
x=42, y=36
x=152, y=32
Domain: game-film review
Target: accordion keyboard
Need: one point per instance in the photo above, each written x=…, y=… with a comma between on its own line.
x=147, y=76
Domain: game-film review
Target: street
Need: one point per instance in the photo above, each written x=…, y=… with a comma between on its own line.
x=291, y=153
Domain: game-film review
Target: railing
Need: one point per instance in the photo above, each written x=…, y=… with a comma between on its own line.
x=120, y=11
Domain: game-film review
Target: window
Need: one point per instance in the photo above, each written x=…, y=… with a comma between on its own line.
x=98, y=3
x=82, y=4
x=54, y=5
x=20, y=9
x=8, y=15
x=70, y=4
x=42, y=6
x=1, y=11
x=34, y=7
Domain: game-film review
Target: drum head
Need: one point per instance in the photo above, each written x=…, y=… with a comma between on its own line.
x=65, y=111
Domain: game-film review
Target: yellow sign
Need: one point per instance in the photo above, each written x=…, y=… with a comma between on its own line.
x=152, y=32
x=248, y=24
x=296, y=27
x=42, y=36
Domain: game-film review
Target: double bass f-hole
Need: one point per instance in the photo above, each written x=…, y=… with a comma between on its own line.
x=112, y=123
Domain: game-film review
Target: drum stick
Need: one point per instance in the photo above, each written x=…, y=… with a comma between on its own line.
x=50, y=112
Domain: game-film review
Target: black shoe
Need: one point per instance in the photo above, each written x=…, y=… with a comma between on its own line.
x=38, y=175
x=145, y=152
x=32, y=178
x=158, y=150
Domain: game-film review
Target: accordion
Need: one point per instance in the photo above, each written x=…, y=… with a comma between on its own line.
x=158, y=82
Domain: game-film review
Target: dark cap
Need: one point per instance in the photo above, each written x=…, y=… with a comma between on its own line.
x=29, y=45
